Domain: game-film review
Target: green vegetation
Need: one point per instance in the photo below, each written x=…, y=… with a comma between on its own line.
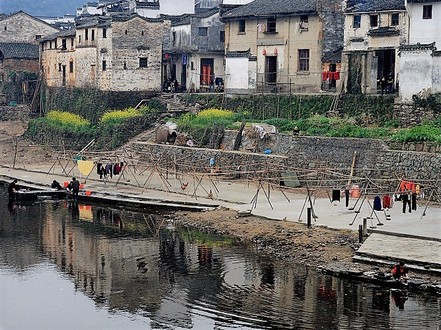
x=420, y=133
x=67, y=121
x=359, y=116
x=112, y=130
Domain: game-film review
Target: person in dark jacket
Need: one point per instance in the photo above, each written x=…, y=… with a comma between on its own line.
x=56, y=185
x=12, y=188
x=74, y=186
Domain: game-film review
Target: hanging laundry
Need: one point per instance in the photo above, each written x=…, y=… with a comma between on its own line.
x=109, y=170
x=335, y=195
x=377, y=203
x=85, y=166
x=116, y=168
x=387, y=202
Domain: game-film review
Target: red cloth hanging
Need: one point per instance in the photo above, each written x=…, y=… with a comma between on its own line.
x=336, y=75
x=325, y=75
x=386, y=201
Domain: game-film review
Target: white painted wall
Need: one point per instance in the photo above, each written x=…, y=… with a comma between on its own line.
x=168, y=7
x=415, y=73
x=424, y=31
x=236, y=2
x=236, y=73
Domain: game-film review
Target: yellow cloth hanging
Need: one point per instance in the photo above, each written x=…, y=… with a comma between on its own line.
x=85, y=167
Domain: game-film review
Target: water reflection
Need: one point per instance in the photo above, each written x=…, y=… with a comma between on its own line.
x=136, y=273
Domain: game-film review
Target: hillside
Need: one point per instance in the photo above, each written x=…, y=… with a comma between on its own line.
x=41, y=7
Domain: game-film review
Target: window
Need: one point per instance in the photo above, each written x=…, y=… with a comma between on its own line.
x=427, y=12
x=71, y=42
x=86, y=34
x=373, y=20
x=222, y=36
x=38, y=36
x=192, y=66
x=271, y=25
x=93, y=35
x=242, y=26
x=79, y=38
x=63, y=44
x=104, y=33
x=174, y=37
x=394, y=19
x=71, y=67
x=143, y=62
x=357, y=22
x=303, y=59
x=125, y=32
x=304, y=22
x=125, y=65
x=203, y=32
x=56, y=44
x=104, y=65
x=59, y=66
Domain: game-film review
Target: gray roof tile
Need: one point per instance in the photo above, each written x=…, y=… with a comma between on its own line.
x=272, y=7
x=19, y=50
x=363, y=6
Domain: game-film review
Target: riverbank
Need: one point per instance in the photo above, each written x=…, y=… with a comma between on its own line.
x=287, y=240
x=329, y=250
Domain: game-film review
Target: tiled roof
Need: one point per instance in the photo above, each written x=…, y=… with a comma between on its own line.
x=62, y=33
x=19, y=50
x=364, y=6
x=267, y=8
x=422, y=1
x=383, y=31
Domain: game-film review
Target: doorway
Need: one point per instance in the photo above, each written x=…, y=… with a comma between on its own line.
x=271, y=69
x=207, y=71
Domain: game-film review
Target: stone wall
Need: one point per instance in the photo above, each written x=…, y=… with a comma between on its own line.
x=291, y=154
x=410, y=115
x=20, y=112
x=197, y=160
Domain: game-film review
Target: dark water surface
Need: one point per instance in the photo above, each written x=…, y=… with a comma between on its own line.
x=90, y=267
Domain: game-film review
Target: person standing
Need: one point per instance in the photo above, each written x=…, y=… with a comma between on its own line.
x=75, y=186
x=12, y=188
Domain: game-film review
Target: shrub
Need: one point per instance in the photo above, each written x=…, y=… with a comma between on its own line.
x=117, y=117
x=421, y=133
x=67, y=121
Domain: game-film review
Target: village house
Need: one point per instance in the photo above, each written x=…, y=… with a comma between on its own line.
x=118, y=53
x=420, y=61
x=196, y=55
x=283, y=46
x=374, y=31
x=19, y=56
x=24, y=28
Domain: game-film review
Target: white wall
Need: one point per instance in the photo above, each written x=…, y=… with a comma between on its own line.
x=168, y=7
x=236, y=2
x=415, y=73
x=236, y=73
x=424, y=31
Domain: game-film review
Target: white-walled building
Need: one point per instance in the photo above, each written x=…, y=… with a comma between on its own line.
x=155, y=8
x=420, y=61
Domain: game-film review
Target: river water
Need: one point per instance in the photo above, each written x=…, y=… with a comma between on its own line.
x=95, y=267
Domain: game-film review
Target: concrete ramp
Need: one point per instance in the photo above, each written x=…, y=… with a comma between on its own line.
x=417, y=252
